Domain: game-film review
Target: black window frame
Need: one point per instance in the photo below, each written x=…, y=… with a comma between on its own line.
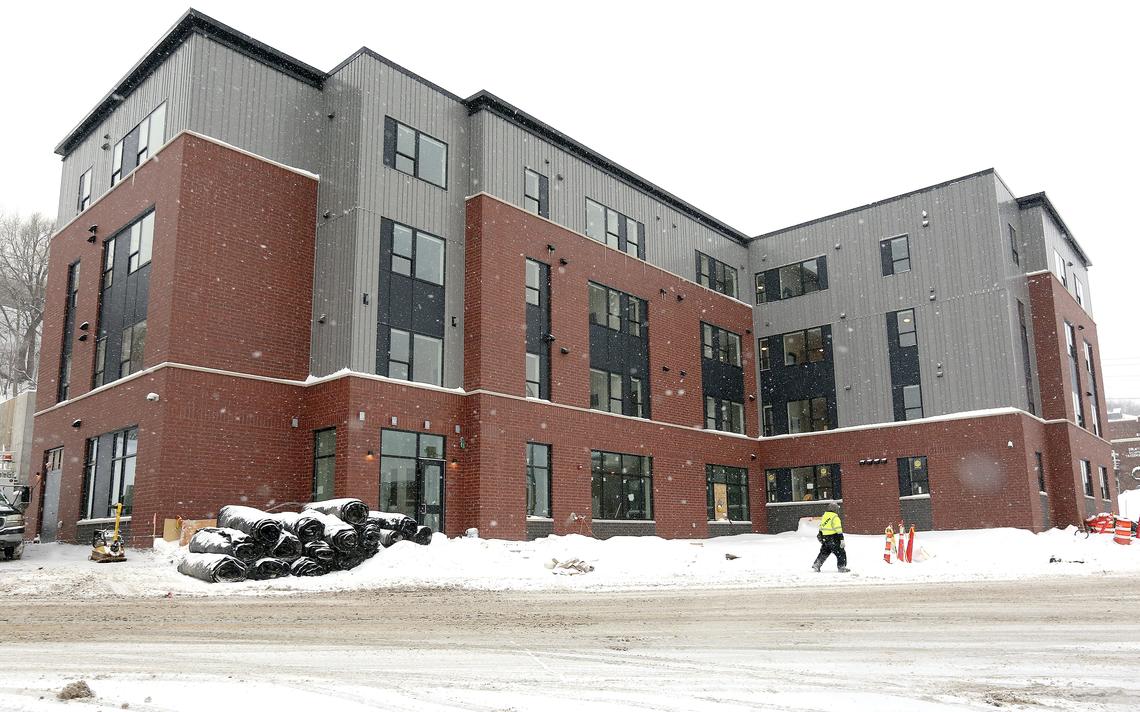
x=141, y=243
x=412, y=258
x=121, y=466
x=1105, y=494
x=768, y=420
x=775, y=276
x=131, y=361
x=631, y=400
x=410, y=364
x=644, y=476
x=63, y=388
x=1026, y=358
x=764, y=353
x=631, y=315
x=1039, y=465
x=721, y=474
x=716, y=345
x=538, y=204
x=814, y=345
x=533, y=473
x=122, y=163
x=911, y=485
x=910, y=331
x=779, y=483
x=818, y=410
x=912, y=412
x=392, y=128
x=1093, y=390
x=616, y=225
x=713, y=274
x=323, y=457
x=1074, y=374
x=1013, y=244
x=1086, y=477
x=723, y=416
x=84, y=199
x=891, y=264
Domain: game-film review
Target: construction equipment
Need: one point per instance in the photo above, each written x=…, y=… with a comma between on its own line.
x=107, y=545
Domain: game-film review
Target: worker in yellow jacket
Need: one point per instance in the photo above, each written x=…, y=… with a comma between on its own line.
x=831, y=539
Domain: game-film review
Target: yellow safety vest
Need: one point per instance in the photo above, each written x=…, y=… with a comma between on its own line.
x=830, y=524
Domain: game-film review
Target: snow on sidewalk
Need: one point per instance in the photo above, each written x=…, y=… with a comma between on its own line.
x=55, y=570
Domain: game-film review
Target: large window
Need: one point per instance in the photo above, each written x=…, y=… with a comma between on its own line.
x=607, y=393
x=142, y=242
x=415, y=357
x=809, y=483
x=538, y=494
x=765, y=354
x=1039, y=466
x=415, y=153
x=716, y=275
x=806, y=416
x=913, y=477
x=84, y=190
x=121, y=339
x=727, y=493
x=622, y=486
x=720, y=344
x=722, y=414
x=908, y=331
x=1104, y=483
x=133, y=345
x=912, y=401
x=64, y=387
x=1026, y=360
x=536, y=193
x=324, y=463
x=804, y=347
x=1086, y=477
x=619, y=231
x=418, y=254
x=1013, y=245
x=411, y=475
x=109, y=473
x=1094, y=394
x=792, y=280
x=1059, y=268
x=537, y=329
x=1074, y=375
x=617, y=310
x=139, y=144
x=895, y=255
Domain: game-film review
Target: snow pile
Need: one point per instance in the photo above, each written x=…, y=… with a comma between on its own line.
x=629, y=563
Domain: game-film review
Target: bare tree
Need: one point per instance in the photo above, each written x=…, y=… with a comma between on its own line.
x=23, y=279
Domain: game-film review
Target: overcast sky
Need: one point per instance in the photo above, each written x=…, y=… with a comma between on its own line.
x=762, y=114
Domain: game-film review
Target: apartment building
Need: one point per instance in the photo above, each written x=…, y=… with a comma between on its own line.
x=275, y=283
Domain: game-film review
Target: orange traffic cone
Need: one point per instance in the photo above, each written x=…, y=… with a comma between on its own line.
x=901, y=555
x=910, y=545
x=890, y=545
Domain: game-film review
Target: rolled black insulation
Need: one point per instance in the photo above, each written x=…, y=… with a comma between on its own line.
x=320, y=552
x=338, y=535
x=368, y=536
x=268, y=568
x=305, y=566
x=220, y=540
x=401, y=523
x=422, y=535
x=302, y=525
x=389, y=537
x=264, y=528
x=288, y=547
x=347, y=560
x=348, y=510
x=212, y=568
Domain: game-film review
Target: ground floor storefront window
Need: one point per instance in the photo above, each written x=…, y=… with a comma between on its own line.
x=622, y=486
x=808, y=483
x=727, y=493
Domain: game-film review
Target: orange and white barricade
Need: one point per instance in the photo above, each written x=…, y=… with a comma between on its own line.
x=890, y=545
x=1123, y=533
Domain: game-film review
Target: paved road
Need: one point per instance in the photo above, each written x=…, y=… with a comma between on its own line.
x=1042, y=644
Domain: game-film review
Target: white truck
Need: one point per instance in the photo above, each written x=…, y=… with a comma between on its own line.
x=12, y=518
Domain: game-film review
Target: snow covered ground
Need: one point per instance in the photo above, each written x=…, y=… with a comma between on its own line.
x=622, y=563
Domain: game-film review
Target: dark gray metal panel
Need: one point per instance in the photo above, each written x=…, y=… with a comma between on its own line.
x=502, y=150
x=960, y=258
x=85, y=532
x=786, y=517
x=1046, y=518
x=607, y=529
x=729, y=528
x=917, y=512
x=538, y=528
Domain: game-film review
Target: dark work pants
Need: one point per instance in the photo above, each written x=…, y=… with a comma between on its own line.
x=832, y=544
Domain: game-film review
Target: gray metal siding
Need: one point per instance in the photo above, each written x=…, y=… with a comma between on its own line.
x=170, y=83
x=501, y=151
x=958, y=258
x=786, y=517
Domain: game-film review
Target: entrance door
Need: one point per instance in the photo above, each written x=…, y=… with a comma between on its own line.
x=430, y=509
x=53, y=469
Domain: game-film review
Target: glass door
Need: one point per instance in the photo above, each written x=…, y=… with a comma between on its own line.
x=430, y=509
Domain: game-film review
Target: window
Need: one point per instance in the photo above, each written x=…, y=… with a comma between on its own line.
x=769, y=421
x=803, y=484
x=536, y=193
x=415, y=357
x=411, y=475
x=622, y=486
x=109, y=473
x=1094, y=393
x=1039, y=466
x=417, y=253
x=804, y=347
x=716, y=275
x=765, y=355
x=1078, y=401
x=1027, y=362
x=725, y=415
x=913, y=477
x=324, y=463
x=133, y=344
x=614, y=229
x=533, y=376
x=1013, y=245
x=1079, y=290
x=69, y=306
x=912, y=401
x=1059, y=268
x=792, y=280
x=807, y=416
x=908, y=333
x=108, y=263
x=606, y=392
x=139, y=144
x=727, y=493
x=533, y=282
x=606, y=309
x=142, y=241
x=720, y=344
x=538, y=494
x=84, y=190
x=1104, y=483
x=895, y=255
x=1086, y=477
x=415, y=153
x=636, y=397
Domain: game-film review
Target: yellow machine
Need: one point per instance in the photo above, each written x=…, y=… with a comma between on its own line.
x=104, y=551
